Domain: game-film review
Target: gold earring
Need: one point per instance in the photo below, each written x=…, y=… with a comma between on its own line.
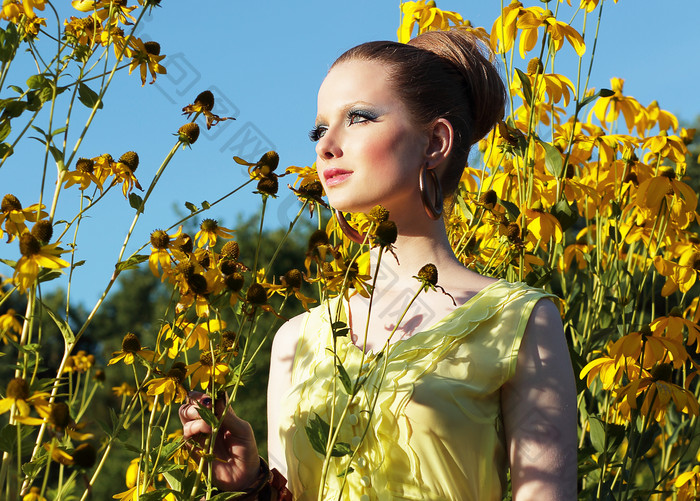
x=432, y=205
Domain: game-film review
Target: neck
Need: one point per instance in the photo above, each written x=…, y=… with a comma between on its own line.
x=420, y=241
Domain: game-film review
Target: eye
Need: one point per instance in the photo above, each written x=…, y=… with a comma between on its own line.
x=360, y=116
x=317, y=132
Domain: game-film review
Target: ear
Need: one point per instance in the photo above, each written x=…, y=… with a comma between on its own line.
x=440, y=140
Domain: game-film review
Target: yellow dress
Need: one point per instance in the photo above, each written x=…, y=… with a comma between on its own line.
x=435, y=432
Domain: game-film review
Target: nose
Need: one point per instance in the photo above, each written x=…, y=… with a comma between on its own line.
x=328, y=146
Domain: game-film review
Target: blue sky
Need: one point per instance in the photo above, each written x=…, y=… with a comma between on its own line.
x=264, y=61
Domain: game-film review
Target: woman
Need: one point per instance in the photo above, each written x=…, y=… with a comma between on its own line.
x=469, y=389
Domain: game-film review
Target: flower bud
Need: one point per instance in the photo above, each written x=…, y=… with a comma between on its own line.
x=429, y=274
x=188, y=133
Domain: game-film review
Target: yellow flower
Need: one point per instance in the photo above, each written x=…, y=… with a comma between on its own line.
x=658, y=392
x=505, y=29
x=160, y=257
x=607, y=109
x=170, y=385
x=209, y=230
x=14, y=216
x=131, y=348
x=688, y=485
x=672, y=326
x=305, y=175
x=34, y=257
x=124, y=170
x=30, y=5
x=34, y=494
x=204, y=103
x=146, y=56
x=681, y=275
x=83, y=175
x=123, y=390
x=18, y=397
x=611, y=371
x=10, y=12
x=8, y=324
x=206, y=370
x=427, y=16
x=291, y=285
x=657, y=349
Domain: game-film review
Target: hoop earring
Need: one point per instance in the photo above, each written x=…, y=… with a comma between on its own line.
x=348, y=230
x=432, y=207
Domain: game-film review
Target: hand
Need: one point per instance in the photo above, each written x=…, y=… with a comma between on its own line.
x=237, y=463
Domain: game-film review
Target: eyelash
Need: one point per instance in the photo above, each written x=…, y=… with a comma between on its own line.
x=318, y=131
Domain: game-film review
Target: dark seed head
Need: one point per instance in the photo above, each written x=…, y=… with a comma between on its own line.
x=386, y=233
x=59, y=415
x=228, y=266
x=131, y=160
x=29, y=245
x=662, y=372
x=85, y=455
x=206, y=359
x=429, y=273
x=379, y=213
x=178, y=372
x=130, y=343
x=318, y=237
x=256, y=294
x=197, y=283
x=293, y=279
x=489, y=198
x=234, y=282
x=18, y=389
x=230, y=250
x=314, y=189
x=269, y=185
x=152, y=48
x=160, y=239
x=43, y=231
x=186, y=245
x=188, y=133
x=535, y=66
x=10, y=203
x=513, y=232
x=209, y=225
x=205, y=100
x=85, y=165
x=268, y=162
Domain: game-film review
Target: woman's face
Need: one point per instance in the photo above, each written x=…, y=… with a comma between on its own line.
x=369, y=151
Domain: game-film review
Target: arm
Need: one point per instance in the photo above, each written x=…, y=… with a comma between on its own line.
x=281, y=361
x=539, y=412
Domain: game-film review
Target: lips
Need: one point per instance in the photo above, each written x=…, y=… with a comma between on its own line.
x=335, y=176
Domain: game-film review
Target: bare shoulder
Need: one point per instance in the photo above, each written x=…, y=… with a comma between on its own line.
x=285, y=342
x=539, y=411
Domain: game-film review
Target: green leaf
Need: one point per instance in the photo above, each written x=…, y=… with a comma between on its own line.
x=527, y=88
x=597, y=434
x=57, y=156
x=208, y=416
x=191, y=207
x=18, y=90
x=552, y=159
x=37, y=82
x=136, y=202
x=62, y=325
x=512, y=209
x=15, y=109
x=6, y=150
x=46, y=275
x=340, y=329
x=131, y=263
x=205, y=205
x=345, y=379
x=5, y=129
x=317, y=432
x=606, y=93
x=566, y=214
x=345, y=472
x=89, y=97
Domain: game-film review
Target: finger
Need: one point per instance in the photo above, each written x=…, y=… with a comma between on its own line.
x=189, y=410
x=196, y=427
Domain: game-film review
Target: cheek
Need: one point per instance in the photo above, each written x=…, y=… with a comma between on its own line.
x=396, y=151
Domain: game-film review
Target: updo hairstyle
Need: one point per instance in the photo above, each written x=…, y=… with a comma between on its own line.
x=443, y=74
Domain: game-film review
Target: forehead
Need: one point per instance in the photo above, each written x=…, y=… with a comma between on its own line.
x=356, y=81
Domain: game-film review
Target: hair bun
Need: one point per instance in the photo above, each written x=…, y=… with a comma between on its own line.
x=473, y=59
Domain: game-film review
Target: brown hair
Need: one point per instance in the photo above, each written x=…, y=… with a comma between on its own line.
x=443, y=74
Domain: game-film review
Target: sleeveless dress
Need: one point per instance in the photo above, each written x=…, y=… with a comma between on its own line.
x=435, y=432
